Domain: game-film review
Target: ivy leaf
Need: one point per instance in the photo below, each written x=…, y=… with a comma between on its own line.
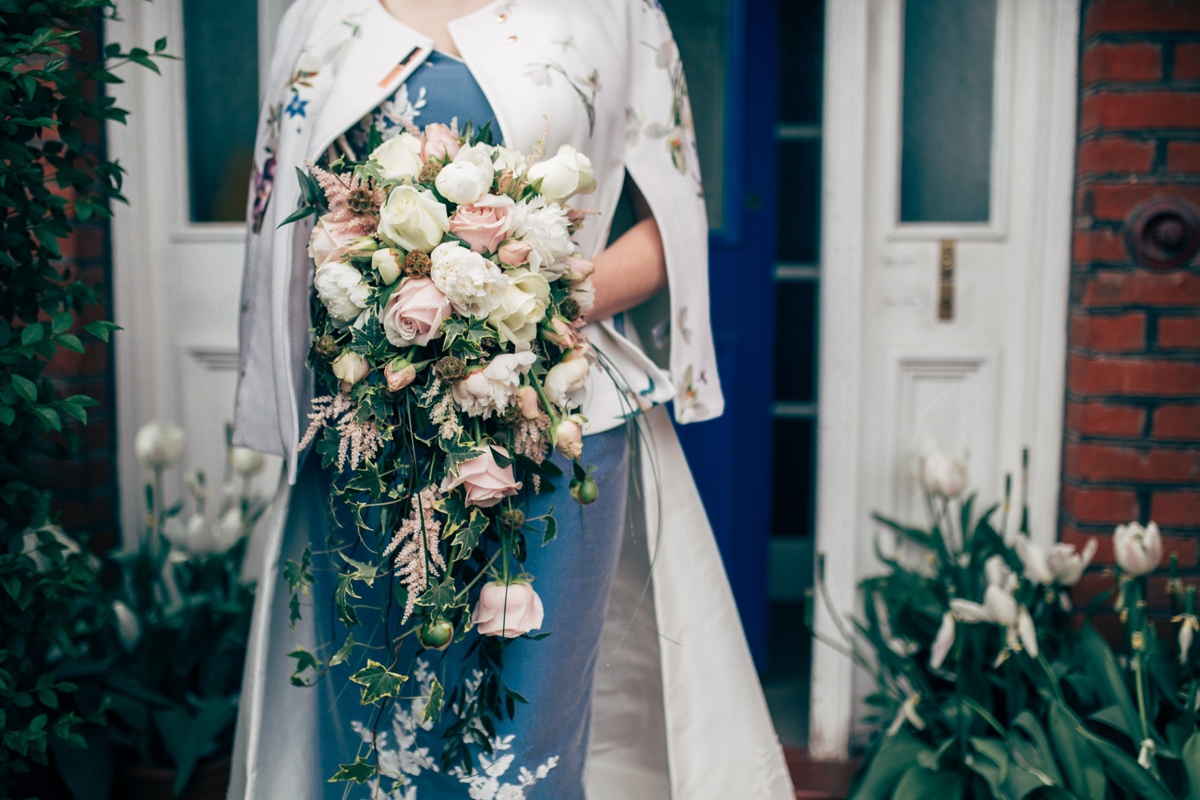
x=362, y=572
x=343, y=652
x=440, y=597
x=378, y=682
x=304, y=661
x=360, y=771
x=345, y=609
x=468, y=535
x=299, y=576
x=456, y=453
x=433, y=705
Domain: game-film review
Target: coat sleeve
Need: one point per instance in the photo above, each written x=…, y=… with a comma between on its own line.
x=661, y=159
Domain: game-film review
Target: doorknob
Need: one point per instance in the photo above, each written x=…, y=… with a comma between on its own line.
x=946, y=281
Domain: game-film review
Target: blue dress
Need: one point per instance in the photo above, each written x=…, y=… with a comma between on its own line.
x=539, y=754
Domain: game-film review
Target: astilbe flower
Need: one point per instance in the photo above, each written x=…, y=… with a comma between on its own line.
x=358, y=442
x=529, y=437
x=419, y=556
x=353, y=201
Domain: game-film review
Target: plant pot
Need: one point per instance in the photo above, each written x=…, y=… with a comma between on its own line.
x=209, y=782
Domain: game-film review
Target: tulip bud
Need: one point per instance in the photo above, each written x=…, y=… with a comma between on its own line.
x=398, y=374
x=129, y=630
x=350, y=368
x=246, y=462
x=159, y=445
x=387, y=263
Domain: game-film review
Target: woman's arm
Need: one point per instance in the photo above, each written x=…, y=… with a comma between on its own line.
x=633, y=269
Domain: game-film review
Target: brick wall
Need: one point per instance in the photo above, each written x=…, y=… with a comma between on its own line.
x=84, y=481
x=1132, y=449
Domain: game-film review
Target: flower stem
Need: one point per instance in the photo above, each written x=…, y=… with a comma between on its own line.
x=541, y=393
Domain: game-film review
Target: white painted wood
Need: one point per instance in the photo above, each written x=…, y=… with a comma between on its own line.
x=175, y=283
x=989, y=382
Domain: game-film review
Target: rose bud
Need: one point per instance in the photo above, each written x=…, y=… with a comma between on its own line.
x=568, y=437
x=560, y=332
x=514, y=252
x=350, y=368
x=362, y=247
x=387, y=263
x=580, y=268
x=398, y=374
x=527, y=398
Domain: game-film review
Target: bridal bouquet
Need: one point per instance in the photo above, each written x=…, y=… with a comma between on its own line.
x=447, y=340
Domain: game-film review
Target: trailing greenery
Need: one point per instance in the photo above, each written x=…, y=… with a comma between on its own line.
x=48, y=180
x=987, y=685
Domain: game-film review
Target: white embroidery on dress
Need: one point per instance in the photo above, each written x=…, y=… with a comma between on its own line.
x=399, y=112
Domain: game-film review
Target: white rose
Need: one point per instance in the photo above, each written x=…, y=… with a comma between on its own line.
x=399, y=157
x=564, y=378
x=544, y=228
x=522, y=307
x=491, y=389
x=567, y=174
x=386, y=262
x=468, y=177
x=350, y=368
x=159, y=445
x=508, y=158
x=473, y=284
x=341, y=289
x=246, y=462
x=413, y=219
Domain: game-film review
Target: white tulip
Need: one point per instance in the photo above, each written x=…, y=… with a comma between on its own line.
x=246, y=462
x=1186, y=633
x=399, y=158
x=1138, y=550
x=944, y=475
x=565, y=175
x=942, y=642
x=1033, y=557
x=159, y=445
x=228, y=530
x=129, y=630
x=1067, y=565
x=1027, y=632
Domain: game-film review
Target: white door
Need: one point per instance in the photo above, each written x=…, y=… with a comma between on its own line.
x=949, y=137
x=178, y=246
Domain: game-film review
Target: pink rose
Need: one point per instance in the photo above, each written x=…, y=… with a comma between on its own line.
x=399, y=374
x=486, y=482
x=329, y=242
x=515, y=253
x=484, y=224
x=440, y=142
x=561, y=333
x=510, y=610
x=414, y=313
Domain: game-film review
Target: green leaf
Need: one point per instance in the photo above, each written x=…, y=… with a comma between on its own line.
x=298, y=214
x=160, y=44
x=1191, y=762
x=468, y=536
x=70, y=341
x=362, y=572
x=1028, y=723
x=920, y=782
x=343, y=652
x=32, y=334
x=101, y=330
x=1126, y=772
x=378, y=682
x=61, y=322
x=433, y=704
x=360, y=771
x=7, y=415
x=25, y=387
x=895, y=757
x=551, y=532
x=187, y=738
x=1084, y=775
x=1103, y=667
x=304, y=661
x=48, y=417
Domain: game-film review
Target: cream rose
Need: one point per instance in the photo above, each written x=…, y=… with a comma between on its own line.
x=413, y=219
x=564, y=378
x=386, y=262
x=508, y=610
x=544, y=228
x=485, y=224
x=399, y=158
x=468, y=177
x=474, y=285
x=414, y=313
x=522, y=307
x=341, y=289
x=484, y=481
x=567, y=174
x=440, y=141
x=350, y=368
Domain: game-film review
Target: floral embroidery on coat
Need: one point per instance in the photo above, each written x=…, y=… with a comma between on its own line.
x=401, y=757
x=585, y=87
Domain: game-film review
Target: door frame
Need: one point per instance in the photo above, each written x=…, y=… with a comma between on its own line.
x=842, y=523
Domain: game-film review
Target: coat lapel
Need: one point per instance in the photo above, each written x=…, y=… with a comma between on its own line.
x=381, y=56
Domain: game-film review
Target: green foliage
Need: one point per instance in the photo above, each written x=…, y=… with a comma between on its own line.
x=48, y=180
x=1027, y=703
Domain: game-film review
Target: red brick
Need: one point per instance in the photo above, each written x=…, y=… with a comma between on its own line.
x=1176, y=509
x=1091, y=586
x=1102, y=156
x=1177, y=422
x=1120, y=333
x=1100, y=245
x=1101, y=419
x=1100, y=462
x=1099, y=506
x=1183, y=157
x=1139, y=110
x=1140, y=61
x=1141, y=287
x=1117, y=201
x=1179, y=333
x=92, y=361
x=1104, y=547
x=1123, y=16
x=85, y=242
x=1133, y=377
x=77, y=515
x=1187, y=60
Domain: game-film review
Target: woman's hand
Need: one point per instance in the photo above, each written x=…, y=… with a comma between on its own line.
x=633, y=269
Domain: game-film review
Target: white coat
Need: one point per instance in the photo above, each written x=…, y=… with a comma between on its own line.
x=683, y=709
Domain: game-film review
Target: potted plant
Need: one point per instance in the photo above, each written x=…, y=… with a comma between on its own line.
x=989, y=683
x=167, y=661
